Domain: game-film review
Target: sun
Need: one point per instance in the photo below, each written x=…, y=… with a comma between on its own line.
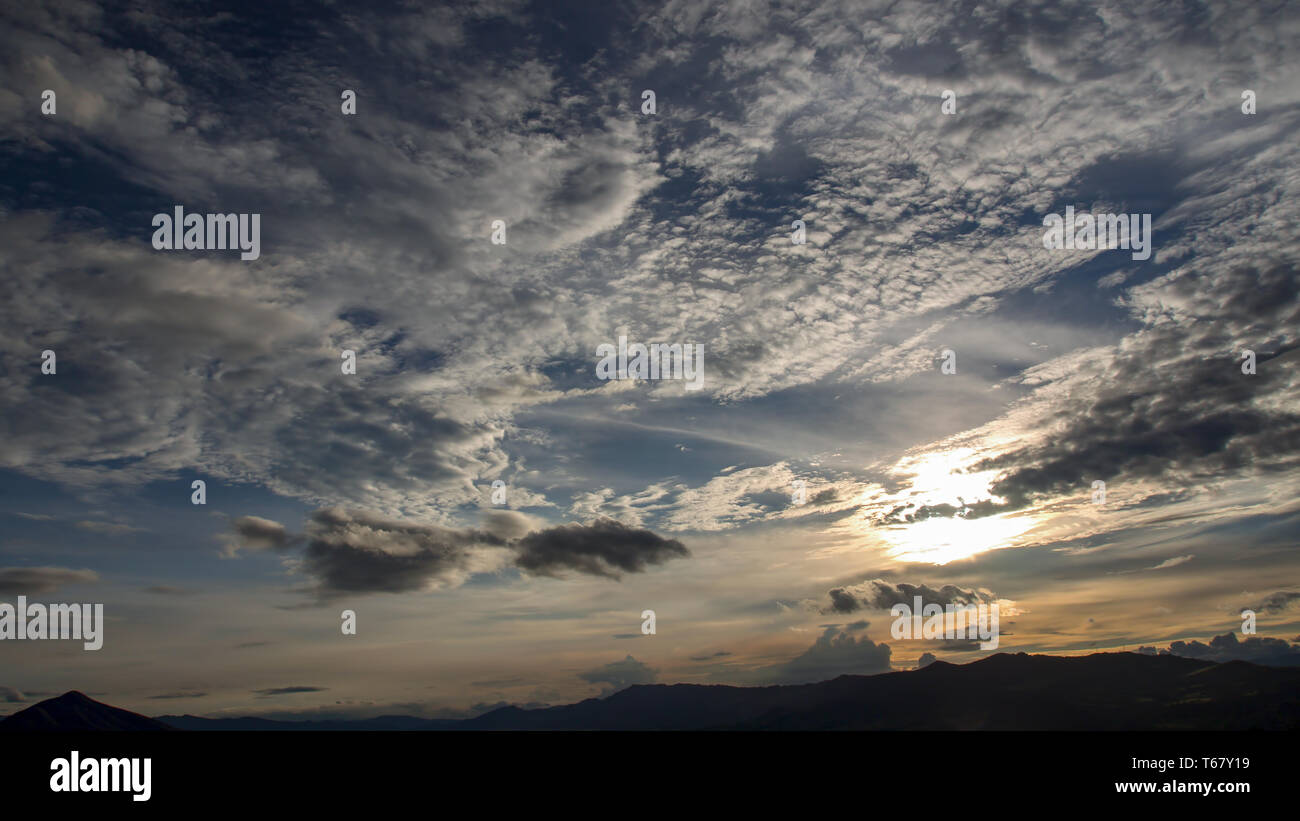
x=943, y=540
x=944, y=478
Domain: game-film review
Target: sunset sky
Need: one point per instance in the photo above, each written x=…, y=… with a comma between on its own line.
x=475, y=362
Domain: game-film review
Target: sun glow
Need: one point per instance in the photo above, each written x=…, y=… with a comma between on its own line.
x=944, y=540
x=941, y=479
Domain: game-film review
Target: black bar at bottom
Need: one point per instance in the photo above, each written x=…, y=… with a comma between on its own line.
x=671, y=771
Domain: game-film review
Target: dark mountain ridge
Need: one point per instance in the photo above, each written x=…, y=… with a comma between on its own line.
x=74, y=711
x=395, y=722
x=1104, y=691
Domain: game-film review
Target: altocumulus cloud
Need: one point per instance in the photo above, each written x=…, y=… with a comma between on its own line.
x=920, y=226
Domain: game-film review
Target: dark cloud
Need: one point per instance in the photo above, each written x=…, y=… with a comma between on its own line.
x=357, y=552
x=618, y=675
x=909, y=513
x=178, y=695
x=1170, y=405
x=878, y=594
x=717, y=655
x=925, y=660
x=1277, y=602
x=1179, y=407
x=842, y=601
x=603, y=548
x=256, y=533
x=33, y=580
x=1255, y=649
x=362, y=552
x=283, y=691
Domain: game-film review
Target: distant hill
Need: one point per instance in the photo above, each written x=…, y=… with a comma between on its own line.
x=188, y=722
x=76, y=712
x=1104, y=691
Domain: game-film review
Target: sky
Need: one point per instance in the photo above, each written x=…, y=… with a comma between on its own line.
x=946, y=387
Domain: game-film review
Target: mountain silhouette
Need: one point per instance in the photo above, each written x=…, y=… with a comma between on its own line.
x=1103, y=691
x=189, y=722
x=76, y=712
